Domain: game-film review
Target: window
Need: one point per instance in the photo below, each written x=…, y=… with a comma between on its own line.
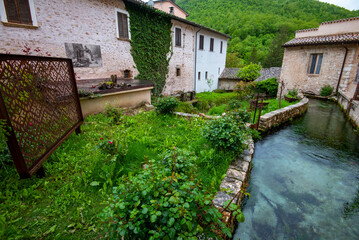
x=201, y=42
x=219, y=71
x=178, y=37
x=206, y=76
x=199, y=75
x=211, y=45
x=178, y=71
x=18, y=12
x=221, y=47
x=316, y=63
x=127, y=74
x=122, y=24
x=172, y=10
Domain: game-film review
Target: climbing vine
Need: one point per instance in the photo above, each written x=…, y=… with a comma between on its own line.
x=151, y=43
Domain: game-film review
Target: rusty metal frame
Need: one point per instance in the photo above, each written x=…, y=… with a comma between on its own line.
x=56, y=78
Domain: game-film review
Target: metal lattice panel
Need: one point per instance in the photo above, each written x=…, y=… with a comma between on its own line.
x=40, y=102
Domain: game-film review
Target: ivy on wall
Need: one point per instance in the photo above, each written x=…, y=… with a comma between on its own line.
x=151, y=43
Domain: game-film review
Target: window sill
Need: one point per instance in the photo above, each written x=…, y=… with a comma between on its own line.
x=178, y=46
x=19, y=25
x=124, y=39
x=313, y=75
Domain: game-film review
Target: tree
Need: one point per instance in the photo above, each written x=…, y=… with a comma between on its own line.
x=250, y=72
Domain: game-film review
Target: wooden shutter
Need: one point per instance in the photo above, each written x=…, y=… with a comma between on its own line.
x=18, y=11
x=178, y=39
x=221, y=46
x=122, y=25
x=201, y=42
x=211, y=47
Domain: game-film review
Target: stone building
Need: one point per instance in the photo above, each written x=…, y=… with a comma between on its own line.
x=325, y=55
x=96, y=35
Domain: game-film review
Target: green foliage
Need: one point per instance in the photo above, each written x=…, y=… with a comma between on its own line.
x=219, y=91
x=165, y=201
x=166, y=105
x=245, y=90
x=234, y=104
x=186, y=107
x=225, y=133
x=326, y=90
x=202, y=106
x=269, y=86
x=151, y=43
x=115, y=113
x=250, y=72
x=293, y=93
x=260, y=24
x=218, y=110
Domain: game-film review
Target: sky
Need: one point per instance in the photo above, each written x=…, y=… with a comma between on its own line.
x=348, y=4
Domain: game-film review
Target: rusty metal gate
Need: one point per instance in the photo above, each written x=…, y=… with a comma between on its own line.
x=39, y=101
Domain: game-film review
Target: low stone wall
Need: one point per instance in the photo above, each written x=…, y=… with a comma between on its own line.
x=282, y=115
x=126, y=98
x=236, y=181
x=353, y=112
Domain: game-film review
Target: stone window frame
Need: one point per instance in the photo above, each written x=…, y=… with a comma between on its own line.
x=118, y=10
x=318, y=60
x=5, y=21
x=175, y=36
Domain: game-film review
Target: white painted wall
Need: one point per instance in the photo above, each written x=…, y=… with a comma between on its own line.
x=211, y=62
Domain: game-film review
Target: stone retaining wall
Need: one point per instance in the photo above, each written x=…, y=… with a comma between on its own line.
x=353, y=112
x=282, y=115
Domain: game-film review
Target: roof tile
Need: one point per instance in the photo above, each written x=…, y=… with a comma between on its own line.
x=328, y=39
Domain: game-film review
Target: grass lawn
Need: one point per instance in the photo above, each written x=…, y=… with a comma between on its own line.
x=80, y=174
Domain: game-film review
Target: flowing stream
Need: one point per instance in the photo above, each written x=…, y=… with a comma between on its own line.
x=305, y=180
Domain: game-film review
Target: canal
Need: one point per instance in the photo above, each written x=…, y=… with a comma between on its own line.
x=305, y=180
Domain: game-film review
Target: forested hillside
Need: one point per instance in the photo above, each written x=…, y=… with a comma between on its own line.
x=259, y=27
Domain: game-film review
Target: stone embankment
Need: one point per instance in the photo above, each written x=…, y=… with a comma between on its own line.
x=277, y=117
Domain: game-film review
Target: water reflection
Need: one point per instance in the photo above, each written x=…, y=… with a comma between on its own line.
x=305, y=180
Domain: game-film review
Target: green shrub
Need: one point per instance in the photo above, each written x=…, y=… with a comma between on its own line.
x=241, y=116
x=250, y=72
x=225, y=133
x=115, y=113
x=219, y=91
x=218, y=110
x=165, y=201
x=326, y=90
x=269, y=86
x=245, y=90
x=234, y=104
x=202, y=105
x=293, y=93
x=166, y=105
x=186, y=107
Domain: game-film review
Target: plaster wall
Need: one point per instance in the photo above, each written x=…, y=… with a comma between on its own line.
x=74, y=21
x=165, y=6
x=211, y=62
x=182, y=58
x=331, y=29
x=296, y=62
x=353, y=112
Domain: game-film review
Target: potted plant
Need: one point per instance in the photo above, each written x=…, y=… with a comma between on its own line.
x=292, y=95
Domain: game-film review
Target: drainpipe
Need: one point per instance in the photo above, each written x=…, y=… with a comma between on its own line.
x=341, y=71
x=195, y=61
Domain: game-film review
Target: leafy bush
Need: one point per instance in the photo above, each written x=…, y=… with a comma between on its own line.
x=234, y=104
x=186, y=107
x=115, y=113
x=269, y=86
x=241, y=116
x=244, y=89
x=326, y=90
x=164, y=202
x=202, y=106
x=293, y=93
x=226, y=133
x=166, y=105
x=218, y=110
x=250, y=72
x=219, y=91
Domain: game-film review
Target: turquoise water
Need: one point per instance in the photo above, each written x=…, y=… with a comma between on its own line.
x=305, y=180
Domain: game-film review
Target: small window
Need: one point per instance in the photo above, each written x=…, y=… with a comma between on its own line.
x=316, y=63
x=211, y=46
x=206, y=76
x=178, y=71
x=199, y=75
x=122, y=25
x=221, y=47
x=219, y=71
x=127, y=74
x=18, y=11
x=201, y=42
x=178, y=37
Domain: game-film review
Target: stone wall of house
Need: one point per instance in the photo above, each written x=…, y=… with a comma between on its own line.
x=165, y=6
x=182, y=58
x=353, y=113
x=282, y=115
x=74, y=21
x=296, y=64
